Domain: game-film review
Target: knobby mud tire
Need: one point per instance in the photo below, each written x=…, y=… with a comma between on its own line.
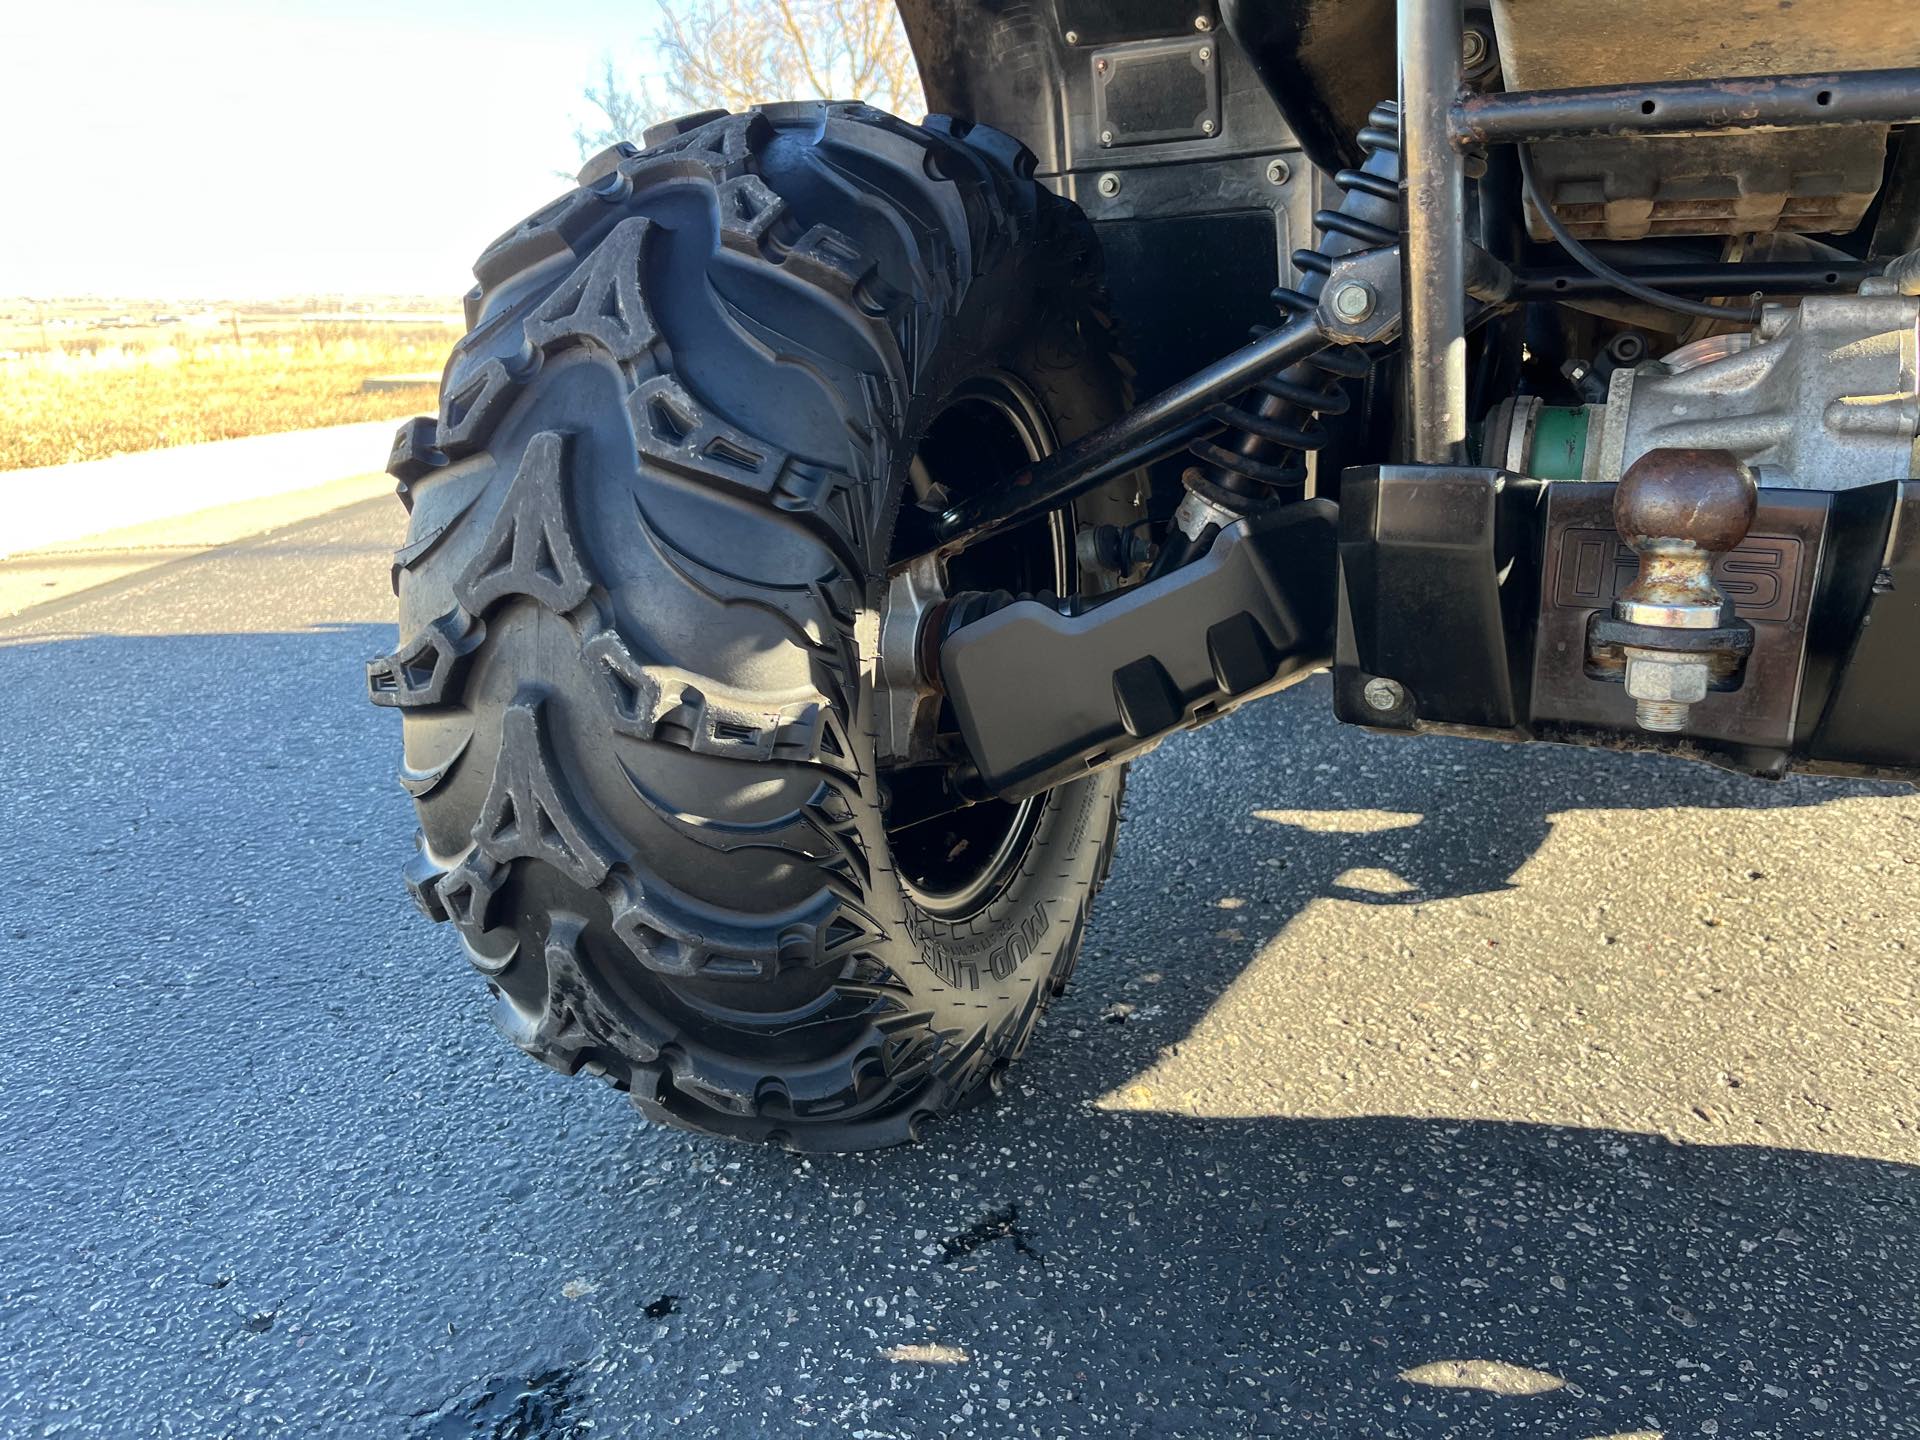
x=648, y=539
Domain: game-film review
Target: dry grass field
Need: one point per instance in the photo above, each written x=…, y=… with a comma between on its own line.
x=86, y=394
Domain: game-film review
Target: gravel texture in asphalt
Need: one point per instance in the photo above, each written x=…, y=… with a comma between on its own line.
x=1406, y=1089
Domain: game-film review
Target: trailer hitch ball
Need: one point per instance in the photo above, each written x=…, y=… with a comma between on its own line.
x=1680, y=510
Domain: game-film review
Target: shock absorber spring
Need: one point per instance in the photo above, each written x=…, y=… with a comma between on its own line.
x=1262, y=454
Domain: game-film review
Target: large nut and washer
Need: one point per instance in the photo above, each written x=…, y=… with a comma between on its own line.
x=1665, y=685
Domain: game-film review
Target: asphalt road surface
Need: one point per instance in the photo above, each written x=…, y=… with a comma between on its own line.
x=1407, y=1089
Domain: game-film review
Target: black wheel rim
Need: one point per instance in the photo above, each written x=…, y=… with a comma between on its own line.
x=955, y=864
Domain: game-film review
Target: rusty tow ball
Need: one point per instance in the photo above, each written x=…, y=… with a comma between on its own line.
x=1671, y=636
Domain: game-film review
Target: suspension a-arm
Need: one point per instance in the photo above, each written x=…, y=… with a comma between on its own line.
x=1240, y=597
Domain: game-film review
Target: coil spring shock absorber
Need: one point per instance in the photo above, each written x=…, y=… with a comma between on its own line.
x=1267, y=441
x=1261, y=455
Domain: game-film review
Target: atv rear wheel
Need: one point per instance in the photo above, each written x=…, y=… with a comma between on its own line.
x=650, y=533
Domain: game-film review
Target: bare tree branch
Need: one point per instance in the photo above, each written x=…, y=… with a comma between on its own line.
x=733, y=54
x=800, y=48
x=624, y=113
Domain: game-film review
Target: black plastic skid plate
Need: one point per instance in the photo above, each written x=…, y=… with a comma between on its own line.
x=1043, y=696
x=1430, y=594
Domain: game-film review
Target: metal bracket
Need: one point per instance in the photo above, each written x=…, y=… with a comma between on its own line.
x=1360, y=303
x=908, y=708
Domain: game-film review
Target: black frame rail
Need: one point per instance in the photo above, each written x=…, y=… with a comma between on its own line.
x=1705, y=278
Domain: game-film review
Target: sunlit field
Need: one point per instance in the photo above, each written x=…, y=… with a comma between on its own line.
x=98, y=393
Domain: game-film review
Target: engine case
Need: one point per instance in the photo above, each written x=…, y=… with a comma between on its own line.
x=1825, y=395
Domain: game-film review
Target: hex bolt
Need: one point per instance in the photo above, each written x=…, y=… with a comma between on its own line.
x=1073, y=37
x=1629, y=347
x=1106, y=137
x=1206, y=127
x=1206, y=53
x=1667, y=717
x=1278, y=172
x=1473, y=47
x=1353, y=300
x=1383, y=694
x=1100, y=66
x=1203, y=23
x=1665, y=686
x=1109, y=184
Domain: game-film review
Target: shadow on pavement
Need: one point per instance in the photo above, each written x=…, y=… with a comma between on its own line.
x=1445, y=818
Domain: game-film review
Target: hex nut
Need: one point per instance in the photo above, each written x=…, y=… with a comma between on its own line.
x=1666, y=676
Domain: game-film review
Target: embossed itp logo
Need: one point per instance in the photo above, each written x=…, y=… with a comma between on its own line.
x=1760, y=576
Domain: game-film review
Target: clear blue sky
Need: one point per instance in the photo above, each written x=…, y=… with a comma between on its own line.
x=268, y=147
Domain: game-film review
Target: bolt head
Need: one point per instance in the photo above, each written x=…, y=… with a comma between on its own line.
x=1206, y=53
x=1667, y=676
x=1278, y=172
x=1353, y=300
x=1473, y=47
x=1109, y=184
x=1203, y=23
x=1206, y=127
x=1073, y=37
x=1106, y=137
x=1383, y=694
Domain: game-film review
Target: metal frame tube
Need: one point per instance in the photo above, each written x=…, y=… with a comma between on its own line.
x=1790, y=277
x=1673, y=107
x=1159, y=427
x=1433, y=257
